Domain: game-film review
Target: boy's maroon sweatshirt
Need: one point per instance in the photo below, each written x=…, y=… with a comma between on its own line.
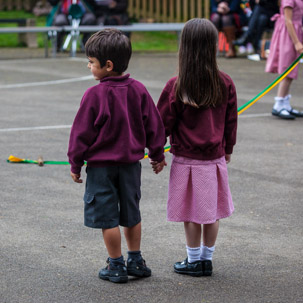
x=200, y=133
x=116, y=120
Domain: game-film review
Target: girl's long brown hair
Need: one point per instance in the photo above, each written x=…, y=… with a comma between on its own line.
x=199, y=83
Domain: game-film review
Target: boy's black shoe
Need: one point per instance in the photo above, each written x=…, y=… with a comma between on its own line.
x=137, y=268
x=195, y=269
x=114, y=273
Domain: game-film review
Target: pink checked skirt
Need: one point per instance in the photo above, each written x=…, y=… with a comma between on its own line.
x=198, y=191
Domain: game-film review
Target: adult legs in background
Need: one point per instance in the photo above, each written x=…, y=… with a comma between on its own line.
x=216, y=20
x=88, y=19
x=252, y=25
x=229, y=30
x=261, y=26
x=226, y=24
x=60, y=20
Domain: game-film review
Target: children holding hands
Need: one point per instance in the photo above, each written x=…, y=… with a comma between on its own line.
x=117, y=119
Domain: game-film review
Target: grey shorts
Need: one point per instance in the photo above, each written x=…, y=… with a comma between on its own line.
x=112, y=196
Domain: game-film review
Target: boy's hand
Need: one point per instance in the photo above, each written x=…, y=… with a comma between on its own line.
x=158, y=166
x=227, y=158
x=76, y=177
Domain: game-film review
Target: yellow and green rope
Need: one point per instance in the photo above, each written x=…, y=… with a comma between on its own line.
x=241, y=109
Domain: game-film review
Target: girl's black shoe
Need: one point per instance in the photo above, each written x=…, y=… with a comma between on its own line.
x=195, y=269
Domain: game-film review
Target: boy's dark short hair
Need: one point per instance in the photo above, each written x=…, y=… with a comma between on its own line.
x=110, y=44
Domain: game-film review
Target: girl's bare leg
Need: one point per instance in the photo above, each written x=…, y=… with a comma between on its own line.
x=284, y=86
x=193, y=234
x=210, y=233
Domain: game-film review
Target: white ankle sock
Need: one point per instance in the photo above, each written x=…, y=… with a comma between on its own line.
x=286, y=103
x=193, y=254
x=279, y=104
x=207, y=252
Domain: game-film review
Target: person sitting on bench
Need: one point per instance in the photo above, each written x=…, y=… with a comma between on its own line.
x=110, y=12
x=60, y=17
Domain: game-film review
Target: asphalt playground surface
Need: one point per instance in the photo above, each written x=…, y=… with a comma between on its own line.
x=46, y=253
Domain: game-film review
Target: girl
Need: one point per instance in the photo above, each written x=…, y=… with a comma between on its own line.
x=285, y=46
x=199, y=111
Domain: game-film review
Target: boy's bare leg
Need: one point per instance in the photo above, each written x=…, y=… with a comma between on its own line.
x=133, y=237
x=210, y=233
x=135, y=264
x=192, y=234
x=112, y=239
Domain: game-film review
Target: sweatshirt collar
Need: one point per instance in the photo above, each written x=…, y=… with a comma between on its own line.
x=116, y=79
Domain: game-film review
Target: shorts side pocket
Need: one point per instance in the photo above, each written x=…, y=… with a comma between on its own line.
x=88, y=198
x=89, y=210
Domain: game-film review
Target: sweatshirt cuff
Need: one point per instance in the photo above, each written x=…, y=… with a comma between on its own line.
x=229, y=149
x=75, y=170
x=158, y=159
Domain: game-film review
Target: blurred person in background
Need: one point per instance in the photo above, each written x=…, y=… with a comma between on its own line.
x=60, y=16
x=110, y=12
x=228, y=16
x=258, y=23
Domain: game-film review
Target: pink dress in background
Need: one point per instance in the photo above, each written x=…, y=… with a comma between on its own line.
x=198, y=191
x=282, y=51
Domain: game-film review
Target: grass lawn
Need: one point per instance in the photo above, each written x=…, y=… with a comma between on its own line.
x=149, y=41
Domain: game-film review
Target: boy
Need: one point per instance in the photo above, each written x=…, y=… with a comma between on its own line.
x=116, y=120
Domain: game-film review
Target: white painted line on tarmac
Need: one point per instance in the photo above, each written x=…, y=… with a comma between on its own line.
x=52, y=82
x=34, y=128
x=78, y=59
x=17, y=129
x=255, y=115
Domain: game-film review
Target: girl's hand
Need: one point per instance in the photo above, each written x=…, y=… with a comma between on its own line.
x=299, y=47
x=76, y=177
x=227, y=158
